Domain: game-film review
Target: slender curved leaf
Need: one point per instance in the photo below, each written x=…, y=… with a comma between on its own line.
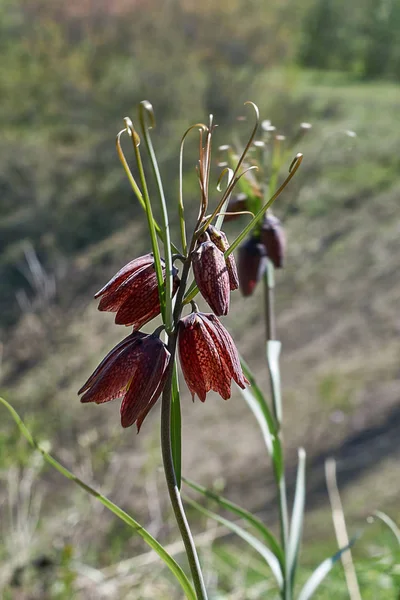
x=390, y=523
x=273, y=352
x=176, y=442
x=254, y=542
x=321, y=572
x=296, y=526
x=255, y=522
x=116, y=510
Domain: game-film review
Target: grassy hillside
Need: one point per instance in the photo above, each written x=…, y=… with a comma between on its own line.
x=337, y=309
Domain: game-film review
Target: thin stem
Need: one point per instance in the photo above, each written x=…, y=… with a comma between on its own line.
x=149, y=214
x=146, y=108
x=166, y=447
x=269, y=289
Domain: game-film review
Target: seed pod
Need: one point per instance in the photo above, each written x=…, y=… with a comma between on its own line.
x=274, y=239
x=212, y=277
x=221, y=241
x=252, y=264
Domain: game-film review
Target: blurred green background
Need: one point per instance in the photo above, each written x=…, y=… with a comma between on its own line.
x=69, y=73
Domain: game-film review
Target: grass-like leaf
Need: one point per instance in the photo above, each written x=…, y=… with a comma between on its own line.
x=296, y=526
x=321, y=572
x=237, y=510
x=273, y=352
x=254, y=542
x=176, y=441
x=116, y=510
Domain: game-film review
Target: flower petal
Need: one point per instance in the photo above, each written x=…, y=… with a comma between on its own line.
x=124, y=273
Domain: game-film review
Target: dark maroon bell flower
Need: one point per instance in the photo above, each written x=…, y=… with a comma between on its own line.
x=211, y=275
x=274, y=240
x=133, y=293
x=208, y=356
x=135, y=370
x=252, y=265
x=221, y=241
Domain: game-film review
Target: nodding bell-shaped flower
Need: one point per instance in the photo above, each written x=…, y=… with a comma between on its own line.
x=133, y=293
x=208, y=356
x=221, y=241
x=274, y=240
x=135, y=370
x=252, y=265
x=211, y=275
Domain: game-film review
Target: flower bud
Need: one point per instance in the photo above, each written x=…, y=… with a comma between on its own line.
x=135, y=370
x=208, y=356
x=251, y=264
x=212, y=277
x=274, y=239
x=221, y=241
x=133, y=293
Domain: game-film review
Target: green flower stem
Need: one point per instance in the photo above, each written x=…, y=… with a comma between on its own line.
x=146, y=107
x=149, y=215
x=116, y=510
x=279, y=471
x=292, y=171
x=193, y=290
x=166, y=447
x=135, y=186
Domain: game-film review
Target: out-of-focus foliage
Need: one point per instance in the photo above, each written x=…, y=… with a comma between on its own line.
x=70, y=72
x=361, y=37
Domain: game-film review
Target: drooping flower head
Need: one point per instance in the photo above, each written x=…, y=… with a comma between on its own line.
x=252, y=264
x=211, y=275
x=133, y=293
x=274, y=240
x=208, y=356
x=135, y=370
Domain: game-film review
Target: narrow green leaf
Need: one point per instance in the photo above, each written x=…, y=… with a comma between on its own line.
x=321, y=572
x=259, y=397
x=255, y=522
x=389, y=522
x=273, y=352
x=254, y=542
x=259, y=415
x=296, y=526
x=116, y=510
x=176, y=442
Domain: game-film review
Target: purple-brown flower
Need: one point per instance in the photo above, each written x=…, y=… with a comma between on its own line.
x=133, y=293
x=221, y=241
x=208, y=356
x=135, y=370
x=211, y=275
x=251, y=265
x=274, y=240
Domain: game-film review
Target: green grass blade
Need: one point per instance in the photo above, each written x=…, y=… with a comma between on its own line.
x=254, y=542
x=296, y=526
x=116, y=510
x=273, y=352
x=176, y=441
x=237, y=510
x=321, y=572
x=390, y=523
x=259, y=397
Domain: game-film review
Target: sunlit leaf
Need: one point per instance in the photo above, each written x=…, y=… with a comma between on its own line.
x=296, y=526
x=321, y=572
x=176, y=442
x=116, y=510
x=254, y=542
x=243, y=514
